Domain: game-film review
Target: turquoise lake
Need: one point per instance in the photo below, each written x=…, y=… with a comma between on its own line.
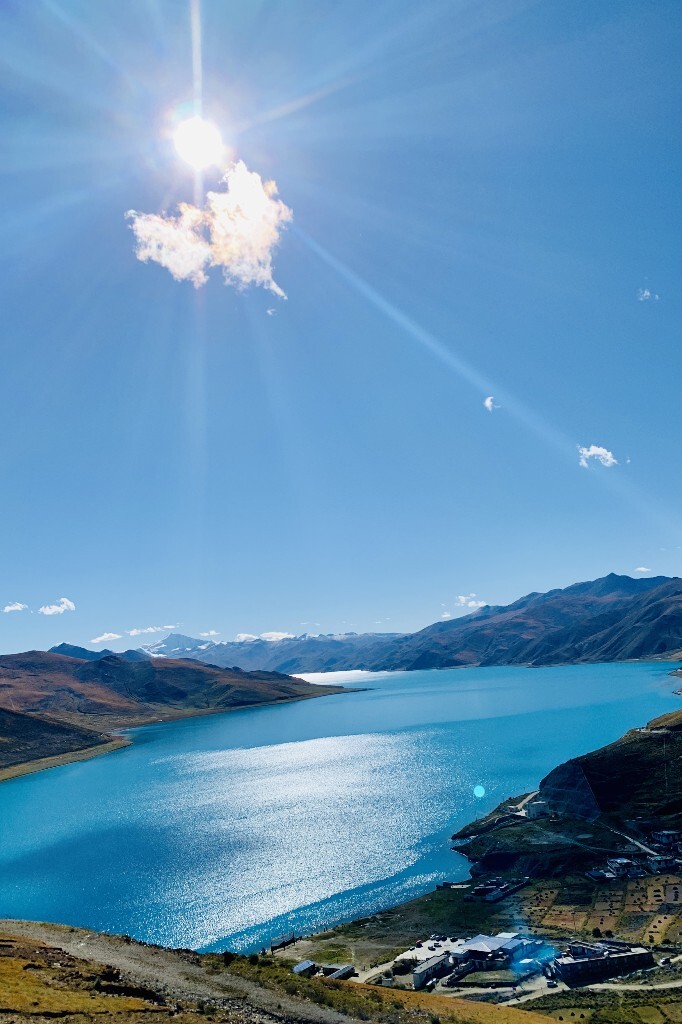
x=232, y=829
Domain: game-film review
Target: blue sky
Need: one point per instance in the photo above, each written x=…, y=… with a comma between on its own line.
x=485, y=202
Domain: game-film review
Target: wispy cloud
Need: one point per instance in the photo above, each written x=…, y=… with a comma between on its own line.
x=490, y=404
x=642, y=568
x=105, y=638
x=602, y=455
x=210, y=632
x=646, y=295
x=15, y=606
x=469, y=601
x=271, y=636
x=148, y=629
x=446, y=615
x=62, y=605
x=237, y=230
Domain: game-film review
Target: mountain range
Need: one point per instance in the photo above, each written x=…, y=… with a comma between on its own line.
x=614, y=618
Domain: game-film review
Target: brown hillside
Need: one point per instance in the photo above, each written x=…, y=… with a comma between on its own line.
x=48, y=683
x=112, y=692
x=27, y=738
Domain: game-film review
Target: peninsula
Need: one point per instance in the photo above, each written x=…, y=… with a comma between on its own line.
x=56, y=708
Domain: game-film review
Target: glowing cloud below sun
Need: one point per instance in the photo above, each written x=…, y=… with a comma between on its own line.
x=238, y=230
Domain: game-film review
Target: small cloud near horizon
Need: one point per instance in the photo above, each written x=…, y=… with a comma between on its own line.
x=237, y=230
x=469, y=601
x=62, y=605
x=148, y=629
x=15, y=606
x=595, y=451
x=642, y=568
x=271, y=637
x=105, y=638
x=210, y=632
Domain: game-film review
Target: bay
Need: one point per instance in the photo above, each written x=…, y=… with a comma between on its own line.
x=233, y=829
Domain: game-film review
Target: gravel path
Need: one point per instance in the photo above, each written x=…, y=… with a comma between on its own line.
x=173, y=974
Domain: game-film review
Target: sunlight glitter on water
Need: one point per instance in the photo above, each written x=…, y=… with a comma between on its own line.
x=297, y=820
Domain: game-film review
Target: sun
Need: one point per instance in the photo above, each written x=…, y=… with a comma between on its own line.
x=198, y=142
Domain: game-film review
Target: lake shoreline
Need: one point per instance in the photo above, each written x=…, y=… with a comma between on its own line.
x=119, y=740
x=42, y=764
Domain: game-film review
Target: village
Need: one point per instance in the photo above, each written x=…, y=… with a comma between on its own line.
x=662, y=853
x=507, y=963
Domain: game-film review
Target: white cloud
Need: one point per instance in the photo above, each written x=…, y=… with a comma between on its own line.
x=237, y=230
x=489, y=403
x=602, y=455
x=174, y=242
x=62, y=605
x=272, y=636
x=469, y=601
x=15, y=606
x=271, y=312
x=642, y=568
x=210, y=632
x=105, y=637
x=148, y=629
x=446, y=615
x=646, y=295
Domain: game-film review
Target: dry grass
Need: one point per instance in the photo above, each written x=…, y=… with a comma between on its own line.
x=451, y=1008
x=31, y=987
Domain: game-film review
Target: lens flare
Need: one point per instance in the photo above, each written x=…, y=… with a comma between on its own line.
x=479, y=792
x=198, y=142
